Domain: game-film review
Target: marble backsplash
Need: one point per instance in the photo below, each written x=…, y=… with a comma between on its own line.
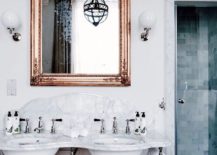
x=78, y=112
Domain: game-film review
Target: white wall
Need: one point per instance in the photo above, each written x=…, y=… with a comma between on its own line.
x=147, y=88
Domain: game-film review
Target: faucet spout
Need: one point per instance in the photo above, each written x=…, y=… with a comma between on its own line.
x=38, y=130
x=115, y=126
x=40, y=126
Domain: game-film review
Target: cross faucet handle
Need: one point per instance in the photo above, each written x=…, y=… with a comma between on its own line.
x=128, y=126
x=53, y=129
x=27, y=128
x=57, y=120
x=102, y=129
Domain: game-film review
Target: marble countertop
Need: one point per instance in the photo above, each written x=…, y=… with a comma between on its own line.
x=60, y=141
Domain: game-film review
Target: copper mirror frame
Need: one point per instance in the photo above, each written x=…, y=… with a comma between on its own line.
x=38, y=78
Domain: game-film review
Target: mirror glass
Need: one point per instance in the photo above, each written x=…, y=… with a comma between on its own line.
x=72, y=44
x=80, y=43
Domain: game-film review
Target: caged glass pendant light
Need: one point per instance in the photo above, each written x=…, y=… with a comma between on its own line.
x=96, y=11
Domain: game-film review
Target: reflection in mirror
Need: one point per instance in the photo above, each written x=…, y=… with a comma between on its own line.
x=72, y=44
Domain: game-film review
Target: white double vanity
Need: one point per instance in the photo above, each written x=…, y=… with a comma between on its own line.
x=75, y=128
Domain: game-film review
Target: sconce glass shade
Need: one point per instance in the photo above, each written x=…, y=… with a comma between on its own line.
x=147, y=19
x=96, y=11
x=10, y=20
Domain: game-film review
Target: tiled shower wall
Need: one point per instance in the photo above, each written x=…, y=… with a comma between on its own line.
x=212, y=122
x=196, y=80
x=212, y=25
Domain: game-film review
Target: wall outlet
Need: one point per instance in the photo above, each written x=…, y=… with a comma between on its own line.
x=12, y=87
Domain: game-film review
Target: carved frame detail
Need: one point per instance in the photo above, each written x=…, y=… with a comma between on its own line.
x=38, y=78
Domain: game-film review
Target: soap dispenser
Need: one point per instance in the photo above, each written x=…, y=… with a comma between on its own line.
x=16, y=123
x=143, y=124
x=9, y=124
x=137, y=123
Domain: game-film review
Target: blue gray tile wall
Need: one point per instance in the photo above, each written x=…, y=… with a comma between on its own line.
x=212, y=25
x=197, y=81
x=212, y=122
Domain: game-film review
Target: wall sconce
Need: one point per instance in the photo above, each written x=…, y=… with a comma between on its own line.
x=147, y=21
x=11, y=21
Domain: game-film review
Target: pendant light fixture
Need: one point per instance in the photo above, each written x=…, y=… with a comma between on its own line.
x=96, y=11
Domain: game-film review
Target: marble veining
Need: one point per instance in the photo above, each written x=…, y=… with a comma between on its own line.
x=59, y=141
x=70, y=108
x=75, y=117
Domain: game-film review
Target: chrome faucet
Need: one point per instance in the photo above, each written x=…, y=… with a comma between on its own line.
x=102, y=128
x=53, y=129
x=115, y=126
x=40, y=126
x=27, y=128
x=128, y=126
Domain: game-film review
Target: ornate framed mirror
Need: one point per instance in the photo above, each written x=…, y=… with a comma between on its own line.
x=80, y=43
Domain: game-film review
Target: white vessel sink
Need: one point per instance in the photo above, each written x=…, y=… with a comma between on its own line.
x=28, y=141
x=30, y=144
x=32, y=152
x=116, y=145
x=116, y=141
x=97, y=144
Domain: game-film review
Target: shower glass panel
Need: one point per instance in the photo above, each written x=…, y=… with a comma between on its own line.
x=196, y=79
